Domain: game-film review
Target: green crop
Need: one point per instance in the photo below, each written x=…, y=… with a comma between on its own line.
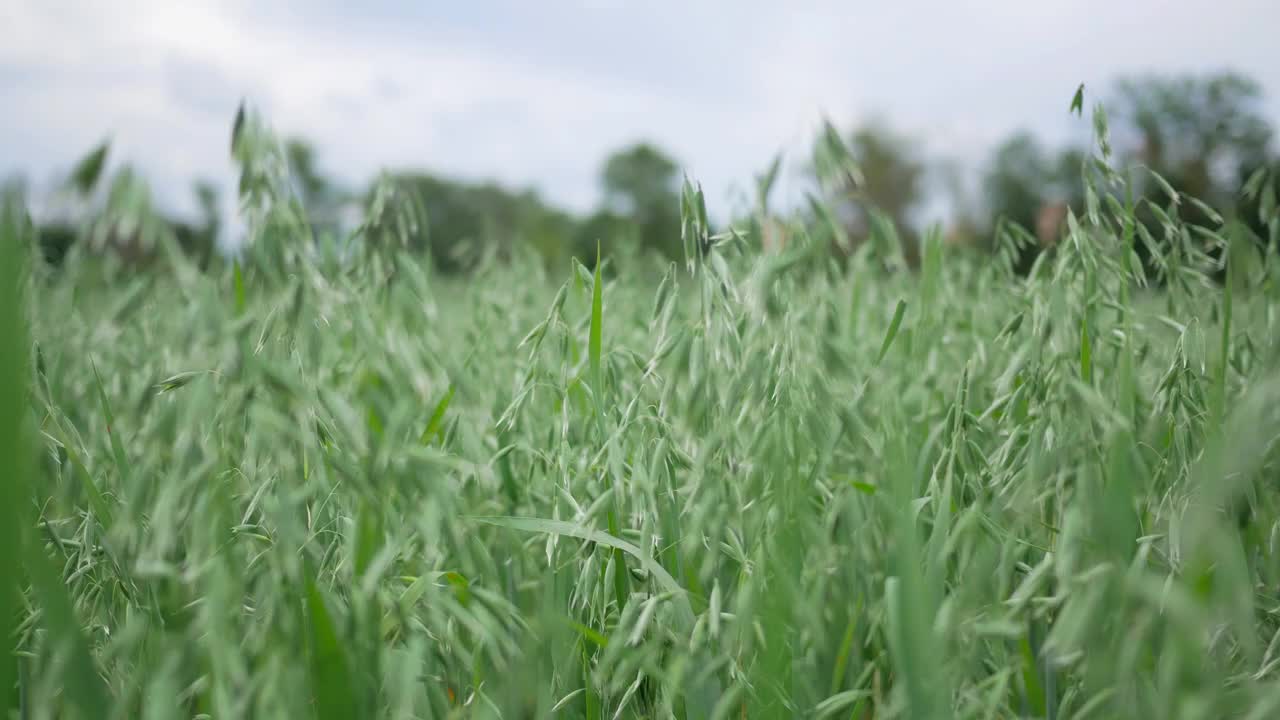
x=317, y=484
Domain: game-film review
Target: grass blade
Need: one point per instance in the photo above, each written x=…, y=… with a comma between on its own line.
x=1086, y=352
x=702, y=698
x=331, y=678
x=80, y=680
x=892, y=332
x=238, y=281
x=597, y=321
x=437, y=417
x=14, y=454
x=113, y=432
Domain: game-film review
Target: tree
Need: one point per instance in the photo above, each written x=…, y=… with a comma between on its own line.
x=888, y=183
x=322, y=200
x=639, y=179
x=199, y=240
x=1200, y=133
x=893, y=173
x=1017, y=181
x=603, y=226
x=123, y=222
x=311, y=186
x=1032, y=187
x=641, y=184
x=459, y=222
x=1256, y=205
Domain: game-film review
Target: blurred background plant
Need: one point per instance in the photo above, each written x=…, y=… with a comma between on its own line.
x=1197, y=136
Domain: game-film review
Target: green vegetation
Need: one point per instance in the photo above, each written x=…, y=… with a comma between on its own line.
x=332, y=480
x=1204, y=135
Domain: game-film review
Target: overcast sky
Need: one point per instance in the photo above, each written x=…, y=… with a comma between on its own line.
x=536, y=93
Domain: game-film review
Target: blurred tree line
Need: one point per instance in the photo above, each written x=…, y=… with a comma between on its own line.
x=1200, y=137
x=1197, y=136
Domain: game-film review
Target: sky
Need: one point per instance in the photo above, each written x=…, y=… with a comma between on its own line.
x=538, y=93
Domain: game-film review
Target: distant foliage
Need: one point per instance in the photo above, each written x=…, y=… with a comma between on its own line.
x=1195, y=147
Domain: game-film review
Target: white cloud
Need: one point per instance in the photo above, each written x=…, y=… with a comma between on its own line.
x=537, y=97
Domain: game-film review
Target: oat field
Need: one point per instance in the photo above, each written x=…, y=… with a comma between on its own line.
x=784, y=484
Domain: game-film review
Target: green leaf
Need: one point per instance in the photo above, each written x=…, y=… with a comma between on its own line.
x=238, y=279
x=765, y=182
x=1213, y=215
x=591, y=698
x=80, y=679
x=1174, y=196
x=173, y=382
x=892, y=332
x=621, y=588
x=15, y=454
x=113, y=432
x=1086, y=351
x=97, y=501
x=838, y=702
x=237, y=126
x=836, y=228
x=597, y=312
x=1254, y=183
x=1267, y=202
x=700, y=700
x=599, y=537
x=596, y=638
x=1035, y=695
x=461, y=587
x=368, y=537
x=331, y=679
x=1077, y=101
x=89, y=170
x=1224, y=357
x=1012, y=326
x=437, y=417
x=846, y=648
